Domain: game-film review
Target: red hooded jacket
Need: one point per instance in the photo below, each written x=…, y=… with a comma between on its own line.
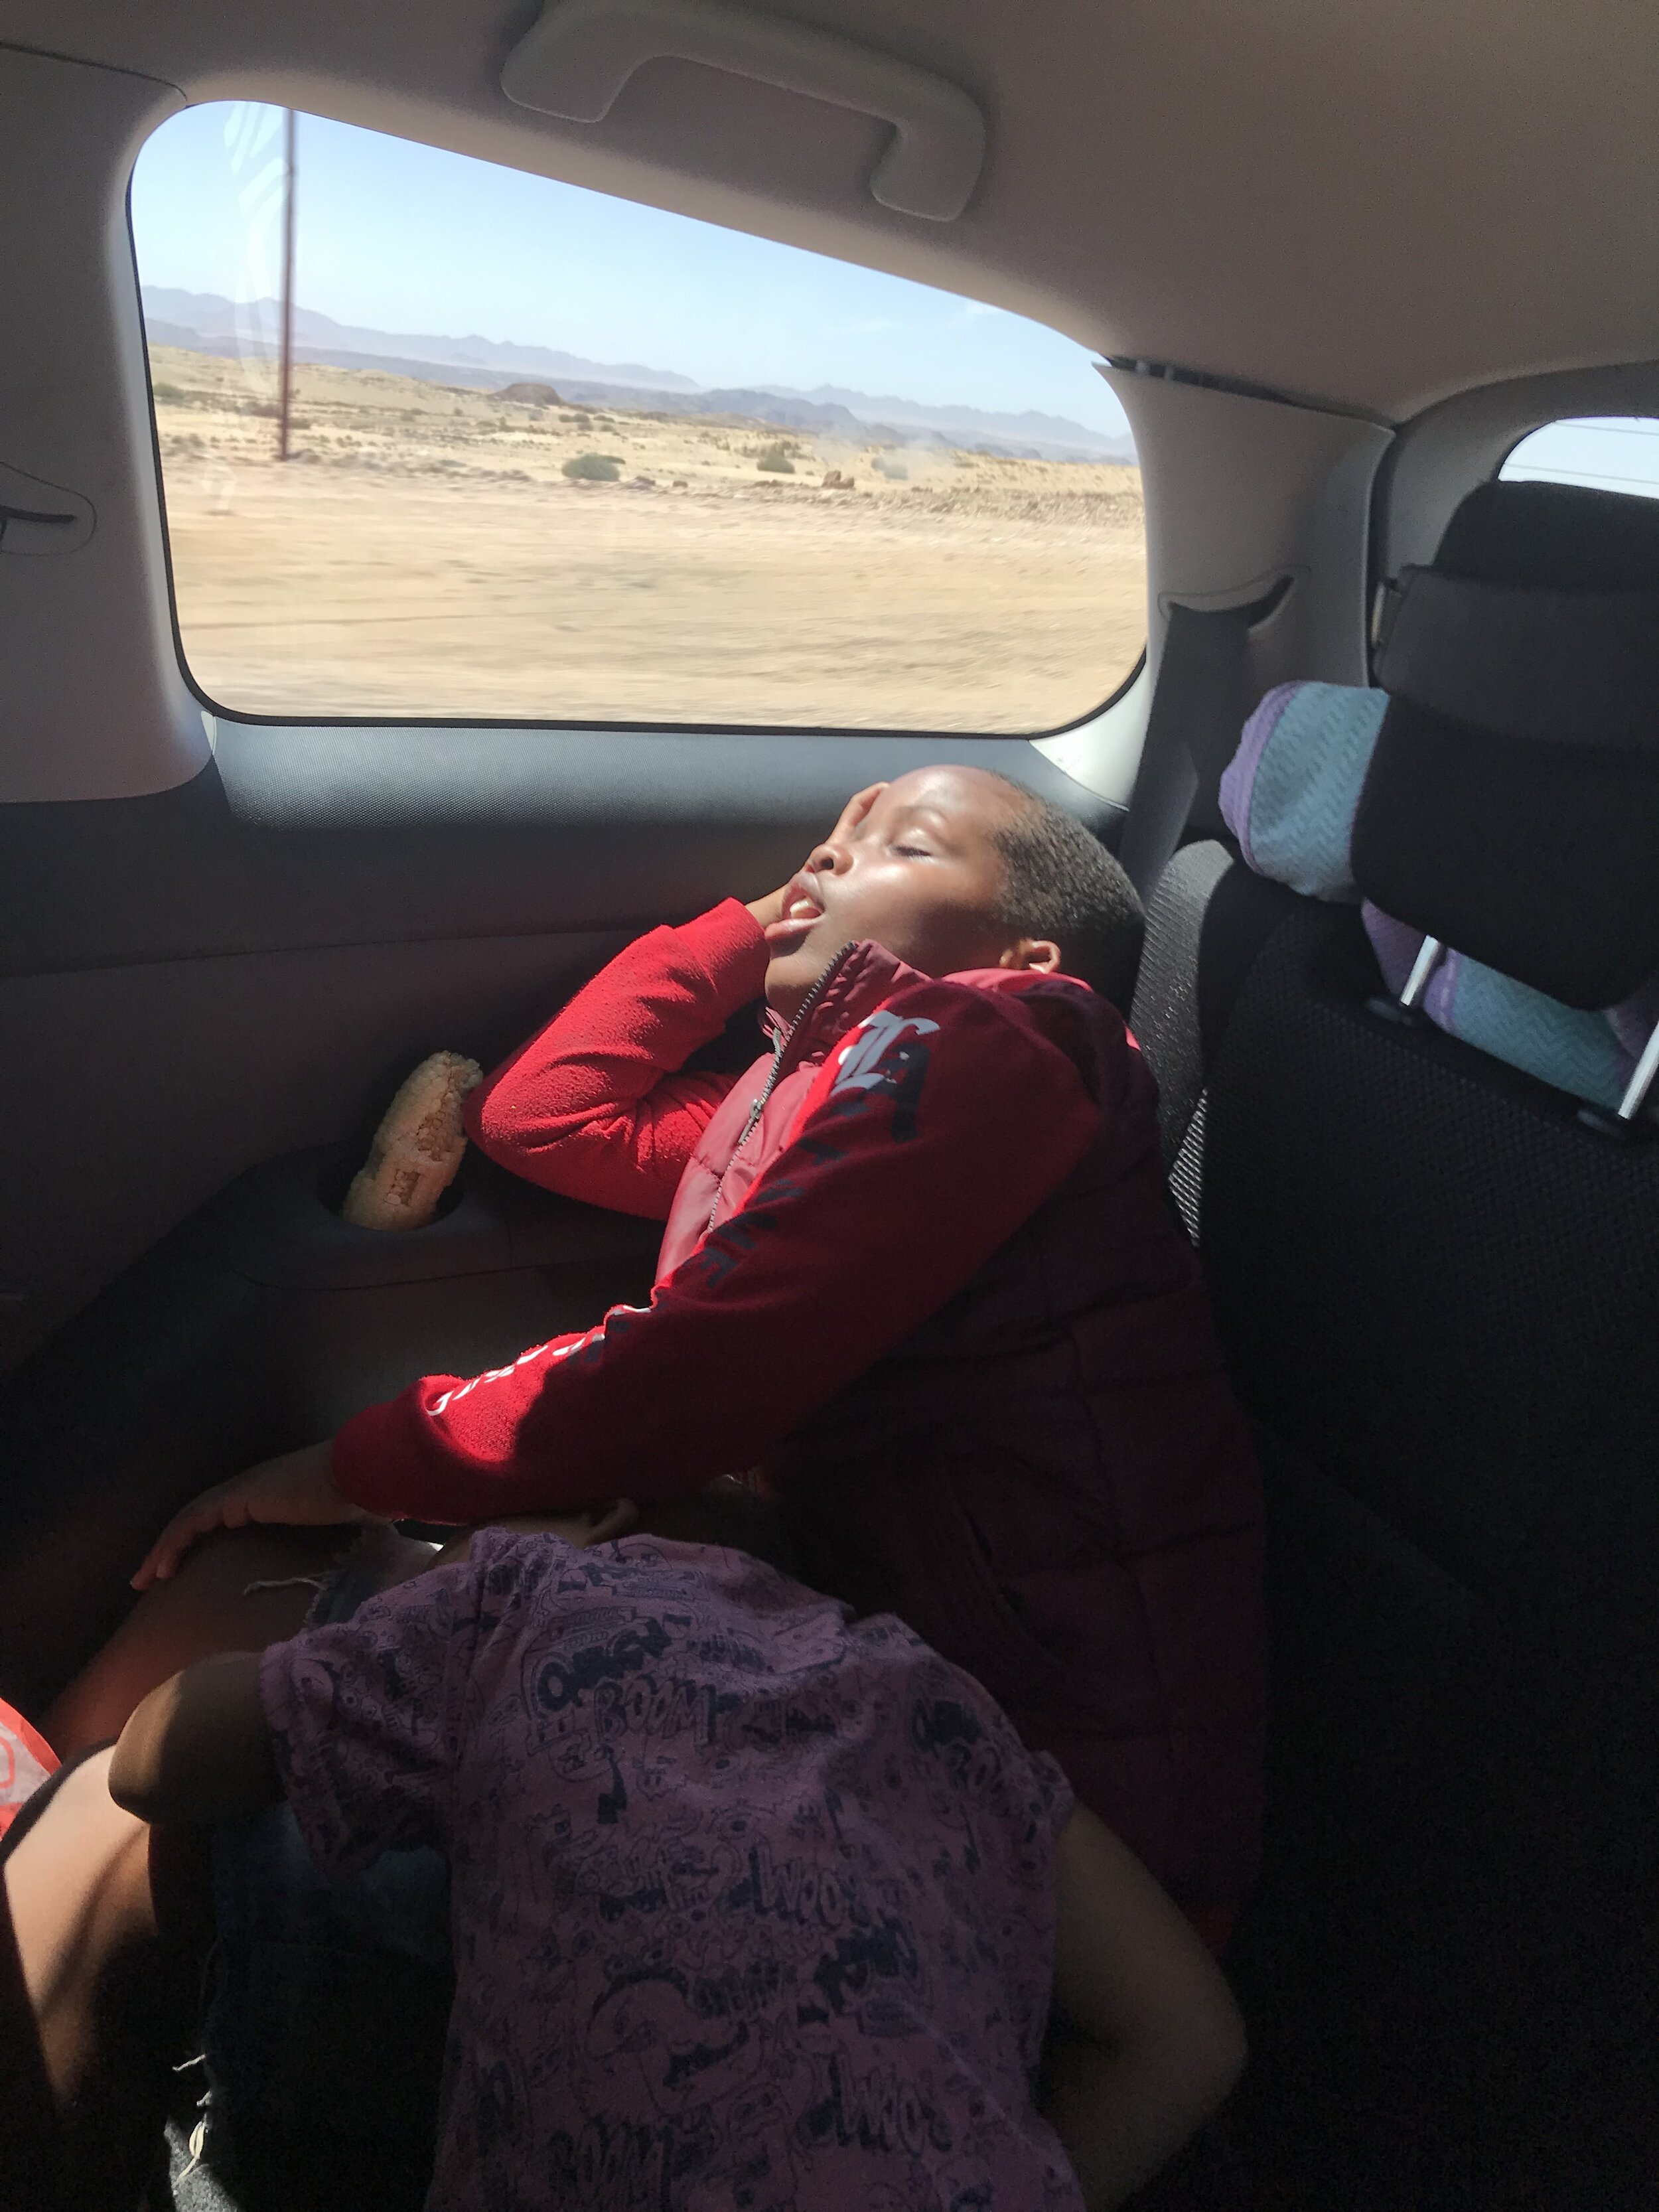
x=920, y=1269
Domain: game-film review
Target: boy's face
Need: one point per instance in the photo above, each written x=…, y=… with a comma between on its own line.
x=911, y=864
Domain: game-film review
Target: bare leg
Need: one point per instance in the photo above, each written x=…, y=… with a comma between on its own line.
x=209, y=1606
x=110, y=1921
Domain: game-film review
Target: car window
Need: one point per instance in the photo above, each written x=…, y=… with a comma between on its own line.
x=1614, y=453
x=556, y=456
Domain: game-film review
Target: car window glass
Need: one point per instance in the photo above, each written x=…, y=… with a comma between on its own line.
x=1614, y=452
x=557, y=456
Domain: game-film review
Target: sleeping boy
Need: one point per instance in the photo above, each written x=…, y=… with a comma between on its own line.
x=918, y=1281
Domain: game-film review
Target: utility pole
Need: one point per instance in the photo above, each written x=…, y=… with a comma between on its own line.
x=286, y=372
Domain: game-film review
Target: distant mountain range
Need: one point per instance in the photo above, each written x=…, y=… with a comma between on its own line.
x=205, y=322
x=212, y=316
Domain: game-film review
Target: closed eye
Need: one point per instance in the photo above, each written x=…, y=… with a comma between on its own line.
x=915, y=852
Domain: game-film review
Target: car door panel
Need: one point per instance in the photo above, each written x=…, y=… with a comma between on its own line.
x=260, y=1323
x=224, y=973
x=213, y=993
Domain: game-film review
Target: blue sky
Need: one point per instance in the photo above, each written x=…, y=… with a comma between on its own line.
x=403, y=237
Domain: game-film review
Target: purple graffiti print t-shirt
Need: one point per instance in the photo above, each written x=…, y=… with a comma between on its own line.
x=753, y=1905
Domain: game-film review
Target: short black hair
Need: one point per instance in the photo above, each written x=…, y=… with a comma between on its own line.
x=1061, y=883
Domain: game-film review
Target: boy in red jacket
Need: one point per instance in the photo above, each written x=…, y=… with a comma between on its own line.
x=918, y=1274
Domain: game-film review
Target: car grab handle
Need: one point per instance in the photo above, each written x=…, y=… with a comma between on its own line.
x=581, y=53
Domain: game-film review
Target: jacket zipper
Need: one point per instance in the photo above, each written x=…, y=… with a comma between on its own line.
x=780, y=1053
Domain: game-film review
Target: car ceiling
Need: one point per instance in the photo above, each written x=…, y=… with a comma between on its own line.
x=1371, y=202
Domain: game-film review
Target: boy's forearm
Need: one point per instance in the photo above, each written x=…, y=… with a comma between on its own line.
x=1119, y=2116
x=623, y=1033
x=1147, y=2041
x=197, y=1749
x=597, y=1080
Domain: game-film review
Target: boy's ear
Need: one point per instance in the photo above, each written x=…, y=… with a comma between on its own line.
x=1039, y=954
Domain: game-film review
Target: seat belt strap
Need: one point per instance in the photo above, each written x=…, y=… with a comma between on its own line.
x=1198, y=709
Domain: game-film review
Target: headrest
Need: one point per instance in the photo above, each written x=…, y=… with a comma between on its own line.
x=1290, y=793
x=1290, y=797
x=1511, y=808
x=1581, y=1053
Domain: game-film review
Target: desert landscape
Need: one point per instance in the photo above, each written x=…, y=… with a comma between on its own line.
x=425, y=552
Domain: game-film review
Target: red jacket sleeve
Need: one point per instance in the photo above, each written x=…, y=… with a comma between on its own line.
x=593, y=1106
x=908, y=1166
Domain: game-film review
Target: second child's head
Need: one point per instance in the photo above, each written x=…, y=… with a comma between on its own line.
x=726, y=1512
x=953, y=868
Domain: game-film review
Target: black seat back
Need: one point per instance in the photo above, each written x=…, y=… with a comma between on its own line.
x=1438, y=1289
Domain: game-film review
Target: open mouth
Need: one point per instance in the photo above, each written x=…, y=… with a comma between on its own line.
x=802, y=911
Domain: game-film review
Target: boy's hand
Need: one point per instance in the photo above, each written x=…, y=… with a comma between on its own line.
x=854, y=812
x=294, y=1490
x=770, y=909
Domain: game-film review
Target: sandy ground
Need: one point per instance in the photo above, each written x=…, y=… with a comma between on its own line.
x=422, y=555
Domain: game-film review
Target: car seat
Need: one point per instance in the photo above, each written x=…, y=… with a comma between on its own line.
x=1438, y=1284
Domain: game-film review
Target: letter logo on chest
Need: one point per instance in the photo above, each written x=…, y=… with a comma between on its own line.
x=880, y=1058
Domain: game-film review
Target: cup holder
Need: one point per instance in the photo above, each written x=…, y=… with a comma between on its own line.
x=278, y=1224
x=334, y=1180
